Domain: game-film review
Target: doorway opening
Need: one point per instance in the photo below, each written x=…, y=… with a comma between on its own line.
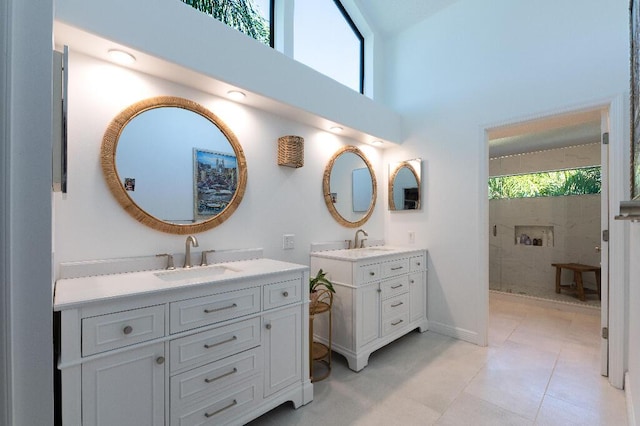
x=544, y=209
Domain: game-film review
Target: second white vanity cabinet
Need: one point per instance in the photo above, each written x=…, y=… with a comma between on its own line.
x=139, y=350
x=381, y=294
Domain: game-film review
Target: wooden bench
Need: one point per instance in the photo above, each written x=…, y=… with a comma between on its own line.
x=578, y=269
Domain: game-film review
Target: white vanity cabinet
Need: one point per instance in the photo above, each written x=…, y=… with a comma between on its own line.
x=381, y=294
x=135, y=351
x=125, y=388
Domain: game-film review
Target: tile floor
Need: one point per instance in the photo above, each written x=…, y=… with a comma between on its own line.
x=547, y=291
x=541, y=368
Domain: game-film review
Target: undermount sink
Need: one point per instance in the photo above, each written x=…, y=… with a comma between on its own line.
x=377, y=248
x=196, y=273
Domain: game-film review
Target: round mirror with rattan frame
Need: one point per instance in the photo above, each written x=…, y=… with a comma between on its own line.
x=108, y=161
x=326, y=188
x=392, y=179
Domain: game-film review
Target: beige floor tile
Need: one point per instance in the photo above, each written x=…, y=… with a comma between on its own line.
x=400, y=411
x=470, y=410
x=537, y=340
x=546, y=324
x=555, y=412
x=437, y=386
x=520, y=392
x=542, y=365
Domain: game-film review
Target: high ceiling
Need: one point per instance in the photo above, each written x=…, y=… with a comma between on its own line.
x=393, y=16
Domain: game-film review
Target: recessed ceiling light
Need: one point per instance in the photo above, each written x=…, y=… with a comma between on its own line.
x=336, y=129
x=121, y=57
x=376, y=142
x=236, y=95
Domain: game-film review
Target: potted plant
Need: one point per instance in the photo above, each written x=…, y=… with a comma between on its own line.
x=315, y=283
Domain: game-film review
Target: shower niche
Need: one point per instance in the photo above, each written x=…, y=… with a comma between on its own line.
x=534, y=235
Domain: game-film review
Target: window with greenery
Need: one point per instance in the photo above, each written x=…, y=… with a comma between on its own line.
x=581, y=181
x=326, y=39
x=324, y=36
x=251, y=17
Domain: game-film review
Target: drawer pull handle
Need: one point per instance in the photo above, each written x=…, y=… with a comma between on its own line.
x=234, y=402
x=418, y=263
x=127, y=329
x=397, y=268
x=412, y=282
x=160, y=360
x=372, y=273
x=397, y=286
x=210, y=311
x=213, y=345
x=268, y=326
x=397, y=322
x=285, y=293
x=208, y=380
x=395, y=305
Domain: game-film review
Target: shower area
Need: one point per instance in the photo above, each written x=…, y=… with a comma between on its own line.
x=528, y=234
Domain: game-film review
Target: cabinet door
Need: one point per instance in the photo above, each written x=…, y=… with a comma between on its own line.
x=368, y=315
x=125, y=389
x=283, y=349
x=418, y=299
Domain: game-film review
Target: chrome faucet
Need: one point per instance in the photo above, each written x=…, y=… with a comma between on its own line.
x=355, y=245
x=191, y=240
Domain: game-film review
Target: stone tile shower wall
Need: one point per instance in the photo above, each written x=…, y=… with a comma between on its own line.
x=575, y=221
x=576, y=232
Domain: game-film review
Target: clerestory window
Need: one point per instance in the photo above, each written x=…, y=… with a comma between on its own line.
x=251, y=17
x=326, y=39
x=579, y=181
x=324, y=36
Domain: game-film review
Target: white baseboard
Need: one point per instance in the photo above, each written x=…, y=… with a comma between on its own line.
x=455, y=332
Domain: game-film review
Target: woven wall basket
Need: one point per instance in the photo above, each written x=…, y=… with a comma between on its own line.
x=291, y=151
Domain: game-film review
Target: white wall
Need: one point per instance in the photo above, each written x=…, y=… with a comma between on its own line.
x=26, y=341
x=633, y=343
x=90, y=224
x=470, y=67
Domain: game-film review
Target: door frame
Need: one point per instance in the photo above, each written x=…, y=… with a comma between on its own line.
x=618, y=187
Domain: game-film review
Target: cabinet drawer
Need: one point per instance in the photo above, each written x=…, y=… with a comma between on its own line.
x=392, y=308
x=106, y=332
x=395, y=313
x=418, y=263
x=280, y=294
x=395, y=267
x=201, y=382
x=221, y=408
x=398, y=322
x=192, y=313
x=394, y=286
x=212, y=345
x=368, y=273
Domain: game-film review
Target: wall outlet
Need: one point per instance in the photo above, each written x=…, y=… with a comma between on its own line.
x=412, y=237
x=288, y=241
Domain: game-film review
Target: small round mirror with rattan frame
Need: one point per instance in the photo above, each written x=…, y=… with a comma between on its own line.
x=230, y=178
x=408, y=191
x=336, y=192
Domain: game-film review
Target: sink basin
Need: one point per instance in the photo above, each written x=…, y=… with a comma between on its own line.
x=377, y=248
x=196, y=273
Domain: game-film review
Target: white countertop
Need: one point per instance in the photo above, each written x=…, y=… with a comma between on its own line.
x=71, y=292
x=355, y=255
